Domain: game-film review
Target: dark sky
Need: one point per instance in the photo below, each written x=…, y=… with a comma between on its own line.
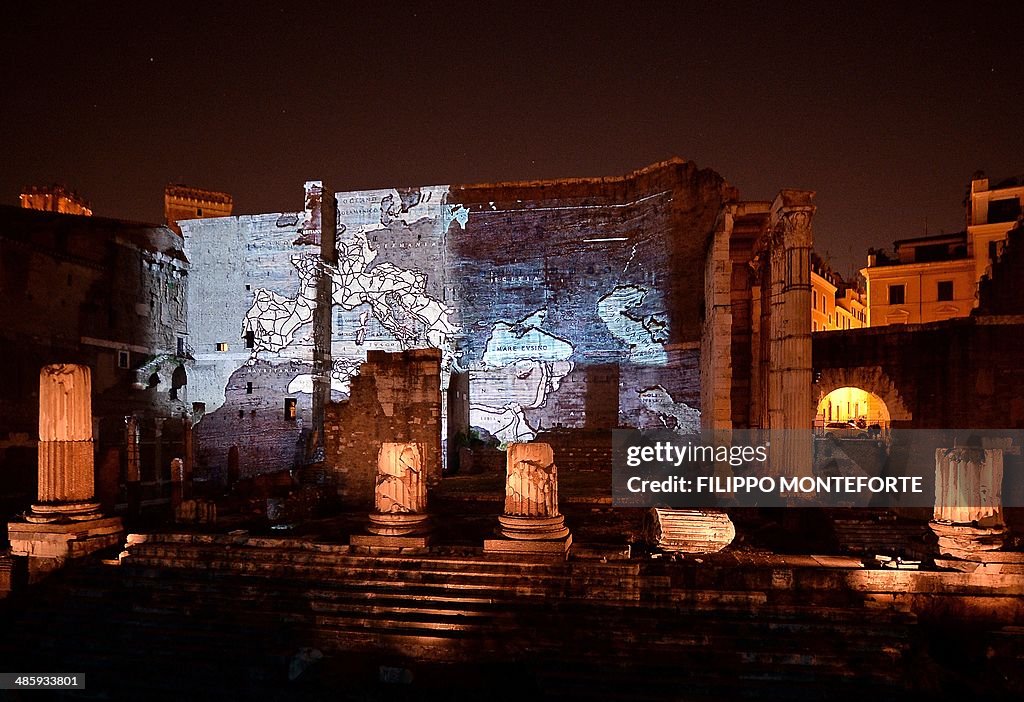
x=885, y=109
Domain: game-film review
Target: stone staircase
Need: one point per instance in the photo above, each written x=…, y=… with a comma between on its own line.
x=199, y=616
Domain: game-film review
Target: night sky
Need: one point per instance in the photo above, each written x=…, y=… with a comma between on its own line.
x=885, y=109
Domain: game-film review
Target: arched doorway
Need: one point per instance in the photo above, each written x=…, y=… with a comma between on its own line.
x=864, y=412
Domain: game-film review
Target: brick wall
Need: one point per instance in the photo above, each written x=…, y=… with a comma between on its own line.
x=395, y=397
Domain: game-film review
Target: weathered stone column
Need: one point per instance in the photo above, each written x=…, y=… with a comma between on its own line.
x=531, y=522
x=189, y=467
x=66, y=470
x=968, y=513
x=177, y=482
x=789, y=405
x=158, y=445
x=133, y=470
x=65, y=522
x=688, y=530
x=399, y=519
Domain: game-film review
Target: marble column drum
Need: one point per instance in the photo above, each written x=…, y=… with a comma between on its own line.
x=66, y=487
x=968, y=512
x=400, y=493
x=531, y=495
x=66, y=522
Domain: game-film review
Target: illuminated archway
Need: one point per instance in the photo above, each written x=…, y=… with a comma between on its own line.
x=852, y=404
x=870, y=379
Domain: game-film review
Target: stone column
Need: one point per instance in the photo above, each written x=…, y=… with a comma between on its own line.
x=400, y=494
x=968, y=513
x=531, y=522
x=789, y=404
x=65, y=522
x=399, y=519
x=133, y=469
x=189, y=462
x=66, y=470
x=688, y=530
x=158, y=454
x=177, y=482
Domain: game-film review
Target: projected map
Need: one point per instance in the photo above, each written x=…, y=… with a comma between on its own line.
x=563, y=307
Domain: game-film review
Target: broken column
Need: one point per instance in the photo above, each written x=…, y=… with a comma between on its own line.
x=399, y=519
x=531, y=522
x=968, y=512
x=688, y=530
x=65, y=522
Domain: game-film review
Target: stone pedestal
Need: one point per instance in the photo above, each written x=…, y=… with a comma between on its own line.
x=66, y=521
x=688, y=530
x=531, y=522
x=968, y=512
x=399, y=519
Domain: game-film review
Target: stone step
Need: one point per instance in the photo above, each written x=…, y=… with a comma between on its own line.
x=435, y=584
x=297, y=550
x=194, y=556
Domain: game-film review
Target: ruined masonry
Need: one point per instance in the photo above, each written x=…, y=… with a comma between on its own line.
x=65, y=522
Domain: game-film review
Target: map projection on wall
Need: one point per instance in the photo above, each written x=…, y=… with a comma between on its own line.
x=569, y=304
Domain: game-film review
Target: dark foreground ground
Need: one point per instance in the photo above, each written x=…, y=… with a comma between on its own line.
x=270, y=614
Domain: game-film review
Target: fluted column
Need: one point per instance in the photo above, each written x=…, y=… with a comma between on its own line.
x=66, y=486
x=531, y=494
x=968, y=511
x=790, y=407
x=400, y=493
x=133, y=466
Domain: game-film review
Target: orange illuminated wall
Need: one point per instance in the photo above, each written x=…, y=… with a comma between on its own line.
x=54, y=198
x=182, y=202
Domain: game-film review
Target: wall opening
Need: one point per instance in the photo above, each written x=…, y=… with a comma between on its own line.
x=852, y=412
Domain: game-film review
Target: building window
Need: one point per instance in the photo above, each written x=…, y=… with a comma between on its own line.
x=945, y=290
x=199, y=212
x=290, y=408
x=222, y=346
x=248, y=388
x=814, y=299
x=250, y=339
x=897, y=294
x=123, y=358
x=1006, y=210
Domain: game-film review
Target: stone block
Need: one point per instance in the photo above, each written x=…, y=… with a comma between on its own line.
x=550, y=547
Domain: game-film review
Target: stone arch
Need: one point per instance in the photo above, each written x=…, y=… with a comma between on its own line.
x=871, y=379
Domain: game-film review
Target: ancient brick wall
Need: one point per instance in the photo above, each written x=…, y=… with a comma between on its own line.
x=105, y=293
x=395, y=397
x=960, y=373
x=567, y=303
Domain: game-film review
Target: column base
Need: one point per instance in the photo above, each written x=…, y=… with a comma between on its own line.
x=558, y=548
x=964, y=540
x=375, y=541
x=48, y=513
x=538, y=536
x=533, y=528
x=398, y=524
x=49, y=545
